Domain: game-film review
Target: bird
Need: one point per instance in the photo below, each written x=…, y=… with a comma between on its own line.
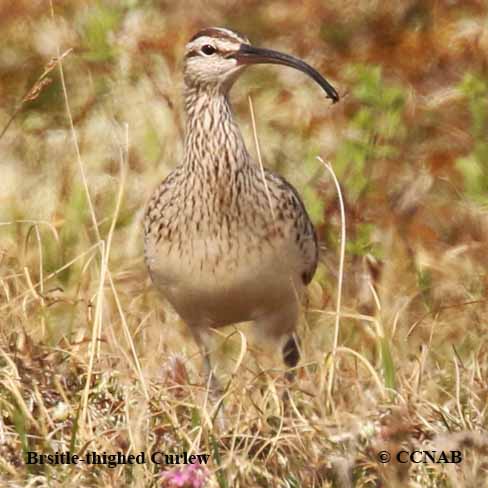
x=225, y=240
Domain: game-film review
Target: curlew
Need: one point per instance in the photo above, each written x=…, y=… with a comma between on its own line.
x=226, y=241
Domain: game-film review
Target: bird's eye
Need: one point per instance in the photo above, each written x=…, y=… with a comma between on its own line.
x=208, y=49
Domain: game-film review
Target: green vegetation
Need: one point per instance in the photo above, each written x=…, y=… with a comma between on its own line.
x=474, y=166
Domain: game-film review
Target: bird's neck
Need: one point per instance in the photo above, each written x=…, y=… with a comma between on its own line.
x=214, y=146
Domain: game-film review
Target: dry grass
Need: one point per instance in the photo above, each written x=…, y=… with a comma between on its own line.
x=91, y=358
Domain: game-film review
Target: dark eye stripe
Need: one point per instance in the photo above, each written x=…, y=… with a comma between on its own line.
x=192, y=54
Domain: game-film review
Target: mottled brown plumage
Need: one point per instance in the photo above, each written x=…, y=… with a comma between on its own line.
x=222, y=243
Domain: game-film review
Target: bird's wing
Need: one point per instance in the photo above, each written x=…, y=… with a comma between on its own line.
x=290, y=201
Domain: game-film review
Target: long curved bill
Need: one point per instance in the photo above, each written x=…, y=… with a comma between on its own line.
x=248, y=54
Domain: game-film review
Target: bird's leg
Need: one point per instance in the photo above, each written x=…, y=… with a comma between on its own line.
x=211, y=383
x=280, y=328
x=202, y=339
x=291, y=355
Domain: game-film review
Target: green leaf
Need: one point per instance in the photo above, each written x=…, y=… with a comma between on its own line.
x=101, y=21
x=315, y=205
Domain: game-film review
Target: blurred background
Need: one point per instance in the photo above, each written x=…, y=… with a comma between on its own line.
x=408, y=142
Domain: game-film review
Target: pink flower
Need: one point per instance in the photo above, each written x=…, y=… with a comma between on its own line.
x=190, y=476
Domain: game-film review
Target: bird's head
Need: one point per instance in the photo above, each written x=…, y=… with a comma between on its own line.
x=215, y=57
